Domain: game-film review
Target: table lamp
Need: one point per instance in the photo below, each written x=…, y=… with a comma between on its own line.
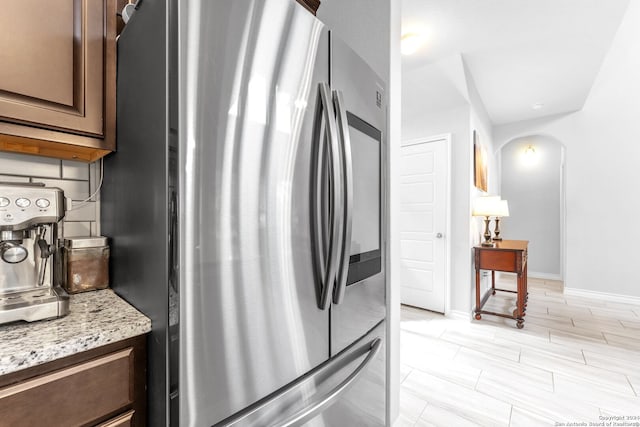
x=503, y=210
x=486, y=206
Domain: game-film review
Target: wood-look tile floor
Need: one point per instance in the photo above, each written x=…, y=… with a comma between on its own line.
x=577, y=360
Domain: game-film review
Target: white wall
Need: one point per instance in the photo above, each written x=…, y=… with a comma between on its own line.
x=602, y=172
x=77, y=179
x=456, y=123
x=480, y=122
x=463, y=113
x=532, y=186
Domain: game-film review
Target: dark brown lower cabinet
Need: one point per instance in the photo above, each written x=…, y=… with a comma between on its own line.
x=101, y=387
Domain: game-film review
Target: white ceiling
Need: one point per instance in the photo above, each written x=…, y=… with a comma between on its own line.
x=518, y=52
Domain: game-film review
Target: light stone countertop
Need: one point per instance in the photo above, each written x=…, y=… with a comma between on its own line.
x=95, y=319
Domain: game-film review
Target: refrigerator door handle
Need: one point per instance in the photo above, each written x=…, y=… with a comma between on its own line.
x=325, y=243
x=347, y=167
x=316, y=403
x=320, y=403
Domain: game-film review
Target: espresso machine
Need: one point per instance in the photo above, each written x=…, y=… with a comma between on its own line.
x=29, y=217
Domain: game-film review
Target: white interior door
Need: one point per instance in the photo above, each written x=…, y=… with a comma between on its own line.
x=424, y=168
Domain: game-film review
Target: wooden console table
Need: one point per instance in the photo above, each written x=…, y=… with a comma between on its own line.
x=509, y=256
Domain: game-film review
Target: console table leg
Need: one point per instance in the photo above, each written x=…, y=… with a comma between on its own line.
x=478, y=316
x=520, y=301
x=526, y=284
x=493, y=282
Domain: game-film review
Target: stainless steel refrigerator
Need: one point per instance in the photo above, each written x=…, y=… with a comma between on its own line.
x=245, y=207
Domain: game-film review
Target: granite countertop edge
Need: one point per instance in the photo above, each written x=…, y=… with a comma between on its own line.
x=95, y=319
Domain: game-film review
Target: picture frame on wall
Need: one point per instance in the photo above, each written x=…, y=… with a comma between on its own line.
x=479, y=164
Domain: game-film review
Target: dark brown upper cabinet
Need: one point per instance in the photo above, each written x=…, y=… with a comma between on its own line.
x=57, y=79
x=312, y=5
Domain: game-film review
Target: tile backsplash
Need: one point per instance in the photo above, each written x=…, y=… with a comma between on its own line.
x=77, y=179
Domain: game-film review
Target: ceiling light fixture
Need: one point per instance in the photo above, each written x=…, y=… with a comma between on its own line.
x=410, y=43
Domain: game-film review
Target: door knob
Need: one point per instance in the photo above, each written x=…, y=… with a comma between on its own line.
x=439, y=235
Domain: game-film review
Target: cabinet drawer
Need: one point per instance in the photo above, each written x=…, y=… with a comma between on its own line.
x=124, y=420
x=498, y=260
x=77, y=395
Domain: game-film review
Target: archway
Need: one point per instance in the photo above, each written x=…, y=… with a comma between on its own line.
x=532, y=180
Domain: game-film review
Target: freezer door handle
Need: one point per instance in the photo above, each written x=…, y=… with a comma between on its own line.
x=321, y=403
x=347, y=221
x=262, y=412
x=326, y=211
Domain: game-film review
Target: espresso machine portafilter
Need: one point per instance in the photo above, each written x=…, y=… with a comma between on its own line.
x=29, y=218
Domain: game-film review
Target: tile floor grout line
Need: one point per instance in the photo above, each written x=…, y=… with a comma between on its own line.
x=631, y=385
x=408, y=373
x=475, y=387
x=510, y=415
x=457, y=352
x=421, y=413
x=439, y=376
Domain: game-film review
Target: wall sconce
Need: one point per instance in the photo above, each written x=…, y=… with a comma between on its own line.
x=410, y=43
x=530, y=156
x=503, y=210
x=530, y=151
x=486, y=206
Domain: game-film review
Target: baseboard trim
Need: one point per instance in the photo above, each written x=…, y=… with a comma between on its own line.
x=459, y=315
x=543, y=276
x=627, y=299
x=534, y=275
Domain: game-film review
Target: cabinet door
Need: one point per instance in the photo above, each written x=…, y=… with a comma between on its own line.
x=52, y=54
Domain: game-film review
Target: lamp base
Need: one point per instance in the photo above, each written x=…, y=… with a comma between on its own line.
x=496, y=231
x=487, y=234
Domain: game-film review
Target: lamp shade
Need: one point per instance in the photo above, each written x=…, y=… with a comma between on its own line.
x=486, y=206
x=503, y=209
